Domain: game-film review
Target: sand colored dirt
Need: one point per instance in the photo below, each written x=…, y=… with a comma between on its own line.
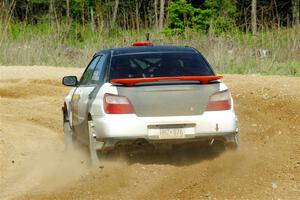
x=34, y=165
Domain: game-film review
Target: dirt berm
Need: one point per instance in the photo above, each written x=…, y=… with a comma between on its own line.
x=33, y=164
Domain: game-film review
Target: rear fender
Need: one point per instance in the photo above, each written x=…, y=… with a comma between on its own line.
x=97, y=104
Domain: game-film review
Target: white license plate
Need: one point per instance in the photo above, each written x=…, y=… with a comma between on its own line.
x=159, y=132
x=171, y=133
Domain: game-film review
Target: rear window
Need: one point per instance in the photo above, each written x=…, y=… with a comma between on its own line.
x=146, y=65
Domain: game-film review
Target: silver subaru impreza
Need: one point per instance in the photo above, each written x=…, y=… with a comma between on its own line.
x=148, y=94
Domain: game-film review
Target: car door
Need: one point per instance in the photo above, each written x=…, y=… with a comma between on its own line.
x=82, y=96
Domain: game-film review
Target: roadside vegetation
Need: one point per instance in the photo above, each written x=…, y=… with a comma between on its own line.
x=67, y=33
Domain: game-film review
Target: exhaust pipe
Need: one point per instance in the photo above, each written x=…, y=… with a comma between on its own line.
x=140, y=142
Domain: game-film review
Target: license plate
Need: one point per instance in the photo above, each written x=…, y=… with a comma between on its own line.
x=176, y=131
x=171, y=133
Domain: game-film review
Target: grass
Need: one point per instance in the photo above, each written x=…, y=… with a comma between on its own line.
x=73, y=46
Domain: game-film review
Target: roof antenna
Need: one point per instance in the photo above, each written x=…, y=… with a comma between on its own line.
x=147, y=36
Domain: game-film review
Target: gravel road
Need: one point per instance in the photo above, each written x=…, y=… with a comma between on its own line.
x=33, y=164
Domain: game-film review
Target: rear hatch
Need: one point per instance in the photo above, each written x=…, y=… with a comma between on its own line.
x=163, y=81
x=169, y=99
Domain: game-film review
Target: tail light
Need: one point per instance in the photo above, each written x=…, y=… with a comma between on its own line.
x=114, y=104
x=219, y=101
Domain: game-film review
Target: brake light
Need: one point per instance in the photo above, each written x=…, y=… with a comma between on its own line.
x=114, y=104
x=142, y=44
x=219, y=101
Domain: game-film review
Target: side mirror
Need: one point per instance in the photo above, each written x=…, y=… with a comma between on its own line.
x=70, y=81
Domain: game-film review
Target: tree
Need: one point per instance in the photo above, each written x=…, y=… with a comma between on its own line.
x=216, y=15
x=68, y=9
x=296, y=15
x=51, y=8
x=253, y=16
x=182, y=15
x=155, y=14
x=137, y=14
x=161, y=14
x=221, y=15
x=115, y=12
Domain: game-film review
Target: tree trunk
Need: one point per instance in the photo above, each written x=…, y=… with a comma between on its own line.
x=108, y=17
x=246, y=20
x=296, y=10
x=99, y=20
x=146, y=22
x=155, y=14
x=161, y=14
x=115, y=12
x=137, y=15
x=92, y=20
x=262, y=18
x=133, y=24
x=68, y=10
x=253, y=16
x=82, y=13
x=168, y=13
x=277, y=15
x=50, y=11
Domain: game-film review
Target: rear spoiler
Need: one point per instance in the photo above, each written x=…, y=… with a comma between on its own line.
x=133, y=81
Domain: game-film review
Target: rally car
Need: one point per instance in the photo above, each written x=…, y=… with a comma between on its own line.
x=148, y=94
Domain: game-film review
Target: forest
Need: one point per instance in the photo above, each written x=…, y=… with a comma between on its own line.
x=244, y=36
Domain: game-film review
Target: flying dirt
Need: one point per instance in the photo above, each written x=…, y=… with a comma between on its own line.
x=34, y=164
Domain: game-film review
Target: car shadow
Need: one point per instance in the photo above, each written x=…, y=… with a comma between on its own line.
x=178, y=155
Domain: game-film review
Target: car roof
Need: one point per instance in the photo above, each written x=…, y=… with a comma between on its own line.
x=147, y=49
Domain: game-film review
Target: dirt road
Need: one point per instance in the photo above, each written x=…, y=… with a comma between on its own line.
x=33, y=164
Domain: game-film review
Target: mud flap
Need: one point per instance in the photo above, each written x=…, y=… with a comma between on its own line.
x=94, y=146
x=233, y=141
x=68, y=137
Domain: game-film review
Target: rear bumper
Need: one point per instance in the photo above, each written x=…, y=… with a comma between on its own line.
x=114, y=129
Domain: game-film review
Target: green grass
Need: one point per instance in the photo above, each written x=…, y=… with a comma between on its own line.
x=73, y=45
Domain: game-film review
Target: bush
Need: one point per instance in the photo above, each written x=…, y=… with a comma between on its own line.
x=217, y=15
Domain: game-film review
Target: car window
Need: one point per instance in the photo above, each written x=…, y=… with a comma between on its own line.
x=158, y=65
x=98, y=74
x=89, y=71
